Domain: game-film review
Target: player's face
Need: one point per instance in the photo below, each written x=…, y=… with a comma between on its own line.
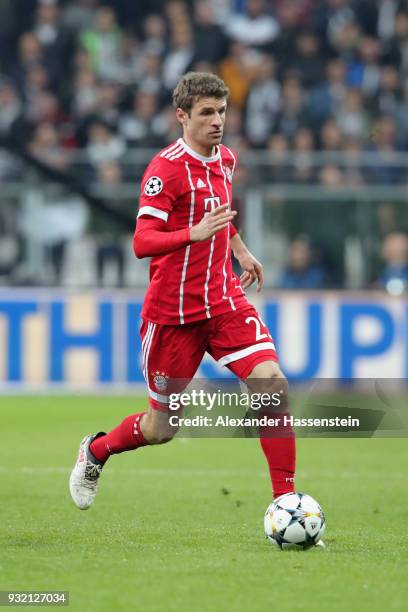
x=203, y=127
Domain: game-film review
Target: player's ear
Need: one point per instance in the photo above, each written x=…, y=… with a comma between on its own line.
x=181, y=116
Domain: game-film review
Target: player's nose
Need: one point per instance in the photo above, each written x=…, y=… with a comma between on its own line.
x=217, y=120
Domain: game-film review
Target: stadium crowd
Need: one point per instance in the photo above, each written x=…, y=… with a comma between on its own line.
x=96, y=77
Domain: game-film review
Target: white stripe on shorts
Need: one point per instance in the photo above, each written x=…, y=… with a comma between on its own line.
x=147, y=351
x=250, y=350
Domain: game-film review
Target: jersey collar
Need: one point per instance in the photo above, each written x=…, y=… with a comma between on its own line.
x=202, y=158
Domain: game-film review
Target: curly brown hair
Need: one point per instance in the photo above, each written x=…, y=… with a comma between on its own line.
x=195, y=85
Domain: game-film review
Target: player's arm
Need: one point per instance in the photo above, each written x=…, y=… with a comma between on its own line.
x=151, y=237
x=252, y=267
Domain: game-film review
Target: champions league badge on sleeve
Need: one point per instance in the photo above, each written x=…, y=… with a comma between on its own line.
x=153, y=186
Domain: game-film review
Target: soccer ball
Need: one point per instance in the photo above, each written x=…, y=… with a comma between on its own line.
x=294, y=520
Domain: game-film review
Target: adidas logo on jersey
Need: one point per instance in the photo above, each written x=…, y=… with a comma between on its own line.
x=200, y=184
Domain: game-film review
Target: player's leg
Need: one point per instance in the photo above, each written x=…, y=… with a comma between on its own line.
x=242, y=342
x=278, y=442
x=165, y=373
x=162, y=346
x=135, y=431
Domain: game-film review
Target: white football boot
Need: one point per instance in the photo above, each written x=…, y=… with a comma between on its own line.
x=83, y=482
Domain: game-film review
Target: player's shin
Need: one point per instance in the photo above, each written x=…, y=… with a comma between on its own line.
x=126, y=436
x=278, y=443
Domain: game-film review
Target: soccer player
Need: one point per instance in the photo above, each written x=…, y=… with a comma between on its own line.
x=195, y=303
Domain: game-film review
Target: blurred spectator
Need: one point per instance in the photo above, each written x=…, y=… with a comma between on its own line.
x=348, y=41
x=326, y=99
x=234, y=128
x=176, y=12
x=293, y=114
x=256, y=27
x=46, y=108
x=10, y=107
x=77, y=15
x=330, y=19
x=401, y=118
x=46, y=146
x=56, y=42
x=210, y=41
x=307, y=63
x=394, y=277
x=389, y=92
x=364, y=70
x=221, y=10
x=386, y=218
x=295, y=14
x=110, y=248
x=386, y=169
x=353, y=171
x=396, y=50
x=302, y=272
x=387, y=11
x=330, y=136
x=150, y=78
x=130, y=60
x=85, y=93
x=140, y=127
x=303, y=145
x=262, y=103
x=37, y=79
x=279, y=170
x=103, y=146
x=331, y=177
x=29, y=53
x=352, y=117
x=237, y=71
x=103, y=42
x=166, y=125
x=179, y=56
x=108, y=103
x=154, y=35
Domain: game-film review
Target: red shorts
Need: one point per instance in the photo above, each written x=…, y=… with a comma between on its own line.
x=238, y=340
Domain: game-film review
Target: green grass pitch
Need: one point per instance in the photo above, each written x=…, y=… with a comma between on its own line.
x=180, y=527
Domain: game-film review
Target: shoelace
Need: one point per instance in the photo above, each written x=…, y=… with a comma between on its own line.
x=92, y=472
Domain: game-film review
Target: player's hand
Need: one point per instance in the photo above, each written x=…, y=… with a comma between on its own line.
x=211, y=223
x=253, y=270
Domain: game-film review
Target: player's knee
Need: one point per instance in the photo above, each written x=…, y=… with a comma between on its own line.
x=268, y=378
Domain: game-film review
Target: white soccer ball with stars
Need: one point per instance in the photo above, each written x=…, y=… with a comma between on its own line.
x=294, y=520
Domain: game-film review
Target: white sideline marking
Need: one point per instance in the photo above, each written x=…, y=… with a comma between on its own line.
x=177, y=472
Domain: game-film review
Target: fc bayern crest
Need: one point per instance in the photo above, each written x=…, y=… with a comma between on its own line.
x=153, y=186
x=160, y=380
x=228, y=172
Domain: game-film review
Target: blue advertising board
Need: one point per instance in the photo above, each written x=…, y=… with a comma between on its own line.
x=91, y=339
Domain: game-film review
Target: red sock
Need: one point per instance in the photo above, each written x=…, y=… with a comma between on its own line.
x=279, y=446
x=126, y=436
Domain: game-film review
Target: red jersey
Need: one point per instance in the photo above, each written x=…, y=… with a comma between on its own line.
x=195, y=282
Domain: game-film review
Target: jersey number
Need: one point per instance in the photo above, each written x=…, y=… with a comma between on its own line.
x=258, y=335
